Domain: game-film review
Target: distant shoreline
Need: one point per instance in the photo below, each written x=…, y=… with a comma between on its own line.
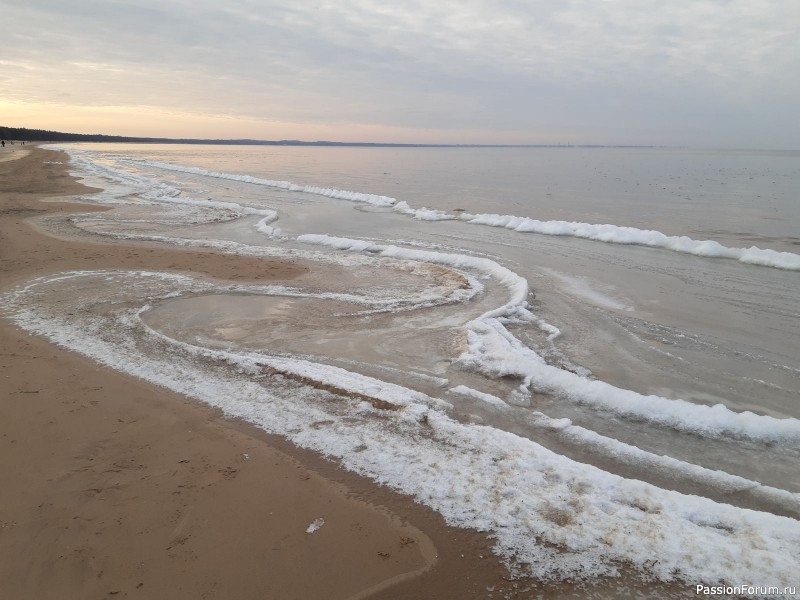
x=41, y=135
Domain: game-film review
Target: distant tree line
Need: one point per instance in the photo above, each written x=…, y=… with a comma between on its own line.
x=42, y=135
x=24, y=134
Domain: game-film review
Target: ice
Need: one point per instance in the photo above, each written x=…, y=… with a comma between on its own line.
x=315, y=525
x=643, y=237
x=497, y=353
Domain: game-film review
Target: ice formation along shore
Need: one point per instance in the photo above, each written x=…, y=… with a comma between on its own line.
x=608, y=233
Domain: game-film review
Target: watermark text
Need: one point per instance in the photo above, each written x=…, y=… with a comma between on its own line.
x=745, y=590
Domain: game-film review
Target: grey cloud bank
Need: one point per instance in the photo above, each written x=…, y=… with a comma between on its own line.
x=687, y=72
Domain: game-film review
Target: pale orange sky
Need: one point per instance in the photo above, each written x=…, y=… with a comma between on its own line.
x=147, y=121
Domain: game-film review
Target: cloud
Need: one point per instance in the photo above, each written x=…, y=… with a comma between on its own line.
x=661, y=73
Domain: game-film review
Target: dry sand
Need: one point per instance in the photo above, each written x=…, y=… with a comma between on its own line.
x=112, y=487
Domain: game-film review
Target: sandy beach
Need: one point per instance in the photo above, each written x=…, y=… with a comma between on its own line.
x=115, y=488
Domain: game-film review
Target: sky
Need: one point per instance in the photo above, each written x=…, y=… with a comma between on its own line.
x=711, y=73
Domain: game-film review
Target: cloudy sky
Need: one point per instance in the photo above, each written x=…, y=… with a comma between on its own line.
x=722, y=73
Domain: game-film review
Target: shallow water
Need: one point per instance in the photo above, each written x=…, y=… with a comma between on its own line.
x=421, y=341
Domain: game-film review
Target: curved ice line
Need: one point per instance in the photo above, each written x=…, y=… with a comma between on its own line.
x=617, y=234
x=518, y=286
x=327, y=374
x=493, y=350
x=378, y=306
x=497, y=353
x=152, y=191
x=400, y=206
x=726, y=482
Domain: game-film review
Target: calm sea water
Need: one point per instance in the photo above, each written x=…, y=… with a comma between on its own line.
x=598, y=397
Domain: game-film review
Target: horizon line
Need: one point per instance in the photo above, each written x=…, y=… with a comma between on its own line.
x=40, y=135
x=44, y=135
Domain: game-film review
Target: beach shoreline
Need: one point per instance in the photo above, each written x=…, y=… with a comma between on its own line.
x=114, y=486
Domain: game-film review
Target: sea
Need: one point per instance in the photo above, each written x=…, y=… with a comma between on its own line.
x=590, y=354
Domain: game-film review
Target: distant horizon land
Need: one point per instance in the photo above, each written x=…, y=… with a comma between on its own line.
x=43, y=135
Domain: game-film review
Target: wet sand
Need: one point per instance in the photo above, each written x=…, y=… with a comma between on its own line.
x=115, y=488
